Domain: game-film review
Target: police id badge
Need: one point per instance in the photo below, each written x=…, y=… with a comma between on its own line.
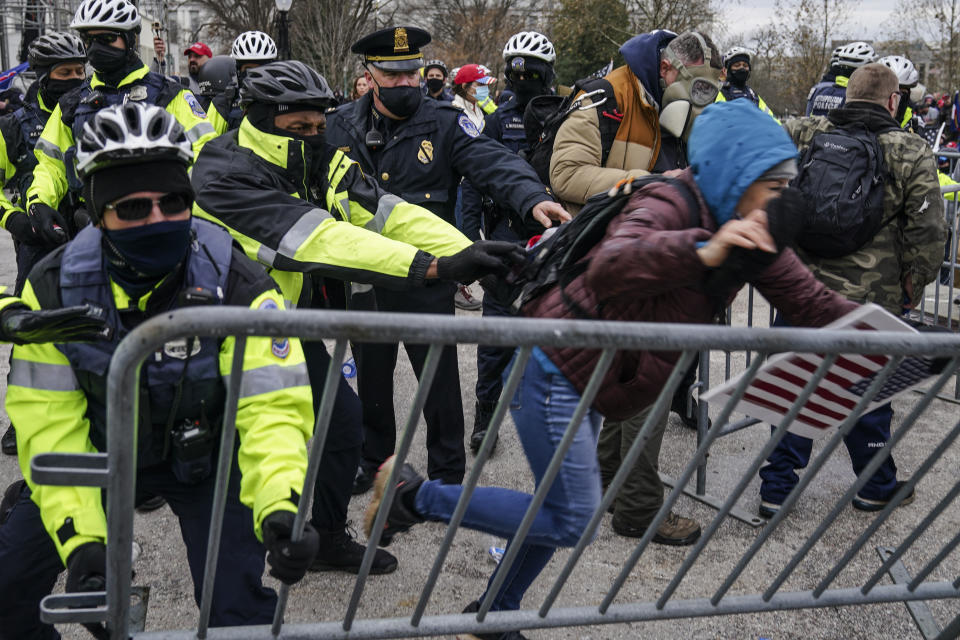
x=137, y=93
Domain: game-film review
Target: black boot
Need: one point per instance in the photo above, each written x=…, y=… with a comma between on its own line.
x=340, y=552
x=481, y=422
x=8, y=443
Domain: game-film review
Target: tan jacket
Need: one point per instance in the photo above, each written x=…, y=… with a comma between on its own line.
x=575, y=170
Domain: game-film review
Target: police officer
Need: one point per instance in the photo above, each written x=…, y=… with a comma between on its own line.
x=218, y=88
x=831, y=92
x=738, y=63
x=529, y=59
x=419, y=149
x=140, y=259
x=435, y=75
x=109, y=30
x=307, y=212
x=908, y=78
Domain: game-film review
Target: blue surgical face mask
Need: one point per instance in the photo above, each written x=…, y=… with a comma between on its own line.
x=483, y=92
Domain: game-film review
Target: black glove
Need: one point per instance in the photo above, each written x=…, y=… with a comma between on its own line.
x=87, y=571
x=288, y=560
x=87, y=568
x=49, y=224
x=81, y=218
x=83, y=323
x=785, y=216
x=19, y=226
x=479, y=259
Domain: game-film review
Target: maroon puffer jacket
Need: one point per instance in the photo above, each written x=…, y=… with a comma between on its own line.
x=646, y=269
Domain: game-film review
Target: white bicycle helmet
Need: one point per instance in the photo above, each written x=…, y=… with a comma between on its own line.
x=252, y=46
x=835, y=56
x=118, y=15
x=738, y=51
x=530, y=44
x=130, y=133
x=856, y=54
x=906, y=73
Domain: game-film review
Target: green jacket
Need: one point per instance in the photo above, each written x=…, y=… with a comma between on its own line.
x=910, y=243
x=335, y=223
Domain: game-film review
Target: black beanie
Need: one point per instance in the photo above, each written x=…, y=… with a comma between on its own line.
x=113, y=183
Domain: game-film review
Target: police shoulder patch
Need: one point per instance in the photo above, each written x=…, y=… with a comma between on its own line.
x=280, y=347
x=194, y=105
x=467, y=125
x=269, y=303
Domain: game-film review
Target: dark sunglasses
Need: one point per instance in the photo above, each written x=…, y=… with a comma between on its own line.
x=108, y=37
x=139, y=208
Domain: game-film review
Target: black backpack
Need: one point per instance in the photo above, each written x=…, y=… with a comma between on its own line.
x=545, y=114
x=843, y=174
x=558, y=259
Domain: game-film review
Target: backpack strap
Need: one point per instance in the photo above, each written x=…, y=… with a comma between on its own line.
x=608, y=114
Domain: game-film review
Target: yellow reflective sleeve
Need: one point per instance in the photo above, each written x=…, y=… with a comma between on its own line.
x=216, y=120
x=947, y=181
x=188, y=112
x=415, y=225
x=50, y=175
x=7, y=169
x=342, y=244
x=274, y=418
x=48, y=409
x=7, y=300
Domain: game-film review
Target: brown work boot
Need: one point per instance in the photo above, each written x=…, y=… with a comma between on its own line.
x=675, y=531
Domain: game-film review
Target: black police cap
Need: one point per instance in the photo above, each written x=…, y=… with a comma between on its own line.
x=393, y=48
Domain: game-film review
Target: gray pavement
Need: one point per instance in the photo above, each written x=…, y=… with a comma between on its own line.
x=323, y=597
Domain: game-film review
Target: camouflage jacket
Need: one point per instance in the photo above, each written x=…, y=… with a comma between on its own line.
x=911, y=244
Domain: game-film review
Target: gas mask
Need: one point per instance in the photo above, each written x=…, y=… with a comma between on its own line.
x=694, y=89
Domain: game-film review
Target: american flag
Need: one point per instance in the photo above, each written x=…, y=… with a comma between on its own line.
x=780, y=381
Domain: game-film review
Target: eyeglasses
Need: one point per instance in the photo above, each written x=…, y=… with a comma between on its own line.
x=107, y=37
x=525, y=75
x=139, y=208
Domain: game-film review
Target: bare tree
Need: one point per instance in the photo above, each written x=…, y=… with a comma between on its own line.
x=229, y=18
x=473, y=31
x=934, y=21
x=676, y=15
x=322, y=31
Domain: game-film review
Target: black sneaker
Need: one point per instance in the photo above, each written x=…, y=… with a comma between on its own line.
x=151, y=504
x=481, y=422
x=10, y=497
x=363, y=480
x=8, y=443
x=401, y=515
x=866, y=504
x=473, y=607
x=679, y=407
x=768, y=509
x=340, y=552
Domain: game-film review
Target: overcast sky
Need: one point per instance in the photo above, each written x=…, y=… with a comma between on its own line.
x=865, y=22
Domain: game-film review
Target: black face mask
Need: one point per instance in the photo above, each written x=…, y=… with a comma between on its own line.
x=106, y=59
x=402, y=102
x=527, y=90
x=739, y=77
x=139, y=257
x=54, y=89
x=434, y=85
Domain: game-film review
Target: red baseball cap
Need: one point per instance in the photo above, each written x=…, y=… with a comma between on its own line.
x=200, y=49
x=472, y=73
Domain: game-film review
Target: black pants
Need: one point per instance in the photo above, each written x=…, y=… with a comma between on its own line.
x=29, y=563
x=341, y=451
x=443, y=410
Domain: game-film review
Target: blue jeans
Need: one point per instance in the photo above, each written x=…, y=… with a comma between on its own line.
x=541, y=408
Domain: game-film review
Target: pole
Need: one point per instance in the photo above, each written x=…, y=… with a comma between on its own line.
x=4, y=54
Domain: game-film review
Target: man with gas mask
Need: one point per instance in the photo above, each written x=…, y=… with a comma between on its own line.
x=831, y=92
x=143, y=256
x=738, y=62
x=308, y=213
x=109, y=29
x=419, y=150
x=434, y=76
x=667, y=81
x=529, y=58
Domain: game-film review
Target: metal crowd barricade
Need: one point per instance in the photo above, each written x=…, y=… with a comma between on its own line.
x=116, y=472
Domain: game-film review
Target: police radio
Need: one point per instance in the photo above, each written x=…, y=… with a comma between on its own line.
x=373, y=140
